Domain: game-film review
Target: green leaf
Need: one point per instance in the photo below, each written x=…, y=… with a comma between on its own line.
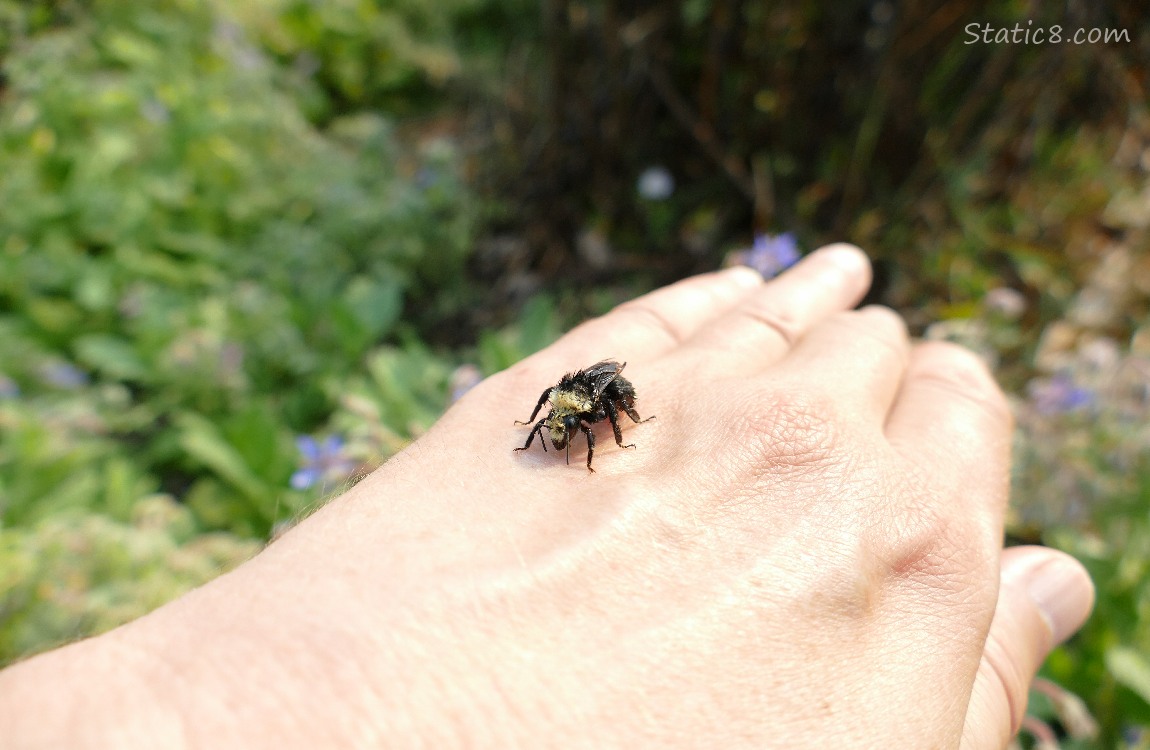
x=112, y=356
x=1130, y=669
x=259, y=440
x=132, y=50
x=75, y=492
x=365, y=312
x=124, y=487
x=376, y=303
x=203, y=442
x=54, y=315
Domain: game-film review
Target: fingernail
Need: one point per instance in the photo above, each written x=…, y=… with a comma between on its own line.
x=1059, y=586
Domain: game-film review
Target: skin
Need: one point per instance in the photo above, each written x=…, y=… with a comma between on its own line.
x=804, y=550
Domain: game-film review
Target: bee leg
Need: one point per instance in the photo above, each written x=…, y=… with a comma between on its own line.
x=531, y=437
x=538, y=406
x=590, y=445
x=613, y=415
x=629, y=407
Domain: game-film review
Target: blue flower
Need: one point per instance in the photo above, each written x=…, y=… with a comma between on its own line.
x=1059, y=395
x=427, y=177
x=770, y=255
x=463, y=380
x=155, y=111
x=63, y=375
x=8, y=388
x=322, y=462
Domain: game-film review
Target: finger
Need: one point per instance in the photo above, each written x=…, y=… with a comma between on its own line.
x=1043, y=598
x=858, y=356
x=648, y=326
x=952, y=420
x=763, y=326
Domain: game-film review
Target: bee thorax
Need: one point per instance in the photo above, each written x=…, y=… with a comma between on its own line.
x=569, y=402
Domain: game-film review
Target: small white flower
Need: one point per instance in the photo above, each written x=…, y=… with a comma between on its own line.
x=1007, y=302
x=656, y=184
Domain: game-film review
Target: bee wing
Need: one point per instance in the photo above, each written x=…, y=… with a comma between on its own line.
x=602, y=373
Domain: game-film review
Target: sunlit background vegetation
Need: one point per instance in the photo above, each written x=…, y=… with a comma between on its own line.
x=251, y=248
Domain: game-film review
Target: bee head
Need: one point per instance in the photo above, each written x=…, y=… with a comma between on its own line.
x=561, y=426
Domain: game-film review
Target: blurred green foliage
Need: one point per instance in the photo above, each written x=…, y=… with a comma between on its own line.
x=1081, y=474
x=347, y=54
x=75, y=573
x=176, y=233
x=192, y=272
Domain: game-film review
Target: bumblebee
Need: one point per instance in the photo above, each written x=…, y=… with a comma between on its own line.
x=581, y=399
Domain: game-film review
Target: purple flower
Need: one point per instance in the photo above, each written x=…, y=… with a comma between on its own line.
x=1059, y=395
x=427, y=177
x=322, y=462
x=8, y=388
x=306, y=64
x=63, y=375
x=770, y=255
x=1135, y=734
x=155, y=111
x=463, y=380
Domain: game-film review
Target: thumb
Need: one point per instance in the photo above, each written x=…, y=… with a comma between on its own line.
x=1043, y=598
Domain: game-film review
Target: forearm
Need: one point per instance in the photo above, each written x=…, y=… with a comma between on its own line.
x=209, y=670
x=258, y=658
x=86, y=695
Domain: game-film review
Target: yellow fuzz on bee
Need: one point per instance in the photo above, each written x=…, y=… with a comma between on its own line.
x=565, y=402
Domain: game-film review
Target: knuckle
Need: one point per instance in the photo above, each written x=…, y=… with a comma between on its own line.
x=849, y=582
x=925, y=547
x=647, y=318
x=792, y=428
x=927, y=536
x=782, y=321
x=875, y=325
x=885, y=320
x=960, y=372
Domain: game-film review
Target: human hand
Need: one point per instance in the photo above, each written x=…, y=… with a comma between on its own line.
x=802, y=551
